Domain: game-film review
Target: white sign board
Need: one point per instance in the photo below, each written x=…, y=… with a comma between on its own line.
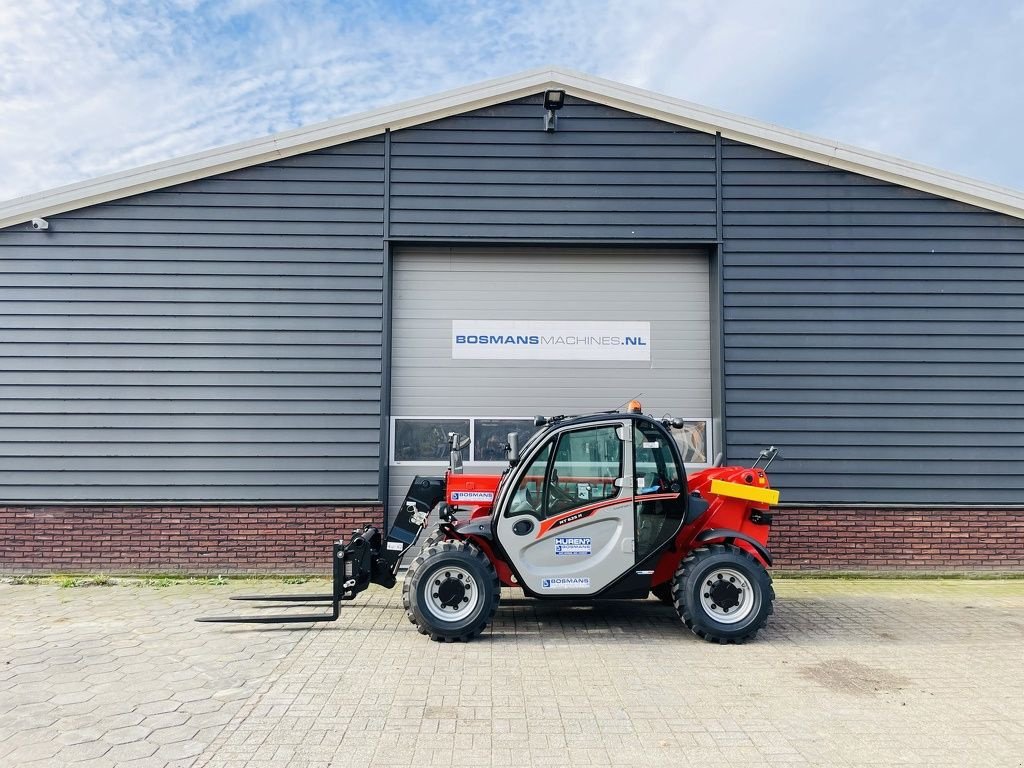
x=560, y=340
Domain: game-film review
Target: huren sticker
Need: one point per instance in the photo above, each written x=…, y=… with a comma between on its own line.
x=570, y=545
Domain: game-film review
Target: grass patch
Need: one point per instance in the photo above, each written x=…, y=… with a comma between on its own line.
x=69, y=582
x=20, y=580
x=152, y=580
x=160, y=582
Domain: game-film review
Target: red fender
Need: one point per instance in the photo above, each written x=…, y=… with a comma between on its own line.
x=724, y=513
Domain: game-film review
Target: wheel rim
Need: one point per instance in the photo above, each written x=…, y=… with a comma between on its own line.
x=451, y=593
x=727, y=595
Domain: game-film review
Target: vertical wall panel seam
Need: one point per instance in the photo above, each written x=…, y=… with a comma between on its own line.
x=387, y=185
x=718, y=186
x=717, y=306
x=717, y=345
x=385, y=341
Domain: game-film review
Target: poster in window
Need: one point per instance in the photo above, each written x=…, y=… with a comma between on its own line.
x=692, y=440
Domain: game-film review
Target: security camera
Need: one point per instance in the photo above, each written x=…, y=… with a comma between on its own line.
x=40, y=224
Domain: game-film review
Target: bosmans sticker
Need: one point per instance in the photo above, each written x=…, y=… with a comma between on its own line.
x=570, y=545
x=566, y=582
x=472, y=496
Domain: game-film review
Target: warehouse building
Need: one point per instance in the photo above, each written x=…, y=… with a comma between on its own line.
x=222, y=362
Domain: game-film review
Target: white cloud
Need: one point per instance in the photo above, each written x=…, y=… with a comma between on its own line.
x=89, y=87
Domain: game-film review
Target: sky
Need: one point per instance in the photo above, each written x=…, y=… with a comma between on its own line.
x=90, y=87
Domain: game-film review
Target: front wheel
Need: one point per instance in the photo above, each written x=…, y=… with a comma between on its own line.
x=433, y=537
x=723, y=594
x=451, y=591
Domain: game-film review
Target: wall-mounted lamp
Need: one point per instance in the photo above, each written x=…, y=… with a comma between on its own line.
x=553, y=101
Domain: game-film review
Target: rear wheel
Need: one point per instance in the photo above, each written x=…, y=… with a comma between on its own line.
x=451, y=591
x=722, y=593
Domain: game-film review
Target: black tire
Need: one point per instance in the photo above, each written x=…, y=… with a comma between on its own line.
x=436, y=567
x=698, y=581
x=433, y=537
x=663, y=592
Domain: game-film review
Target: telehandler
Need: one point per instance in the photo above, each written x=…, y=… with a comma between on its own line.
x=592, y=507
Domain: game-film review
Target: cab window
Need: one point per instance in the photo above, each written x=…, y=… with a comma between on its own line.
x=530, y=493
x=656, y=470
x=658, y=515
x=585, y=468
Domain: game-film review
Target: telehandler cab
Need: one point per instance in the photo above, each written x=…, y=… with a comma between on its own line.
x=595, y=506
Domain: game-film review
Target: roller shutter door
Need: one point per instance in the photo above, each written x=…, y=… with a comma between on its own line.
x=432, y=391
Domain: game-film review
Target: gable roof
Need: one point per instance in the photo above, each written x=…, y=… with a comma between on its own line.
x=409, y=113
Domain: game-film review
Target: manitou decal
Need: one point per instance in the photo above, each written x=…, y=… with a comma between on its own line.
x=532, y=340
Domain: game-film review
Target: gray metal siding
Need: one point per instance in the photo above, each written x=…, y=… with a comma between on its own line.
x=218, y=340
x=222, y=339
x=604, y=174
x=874, y=333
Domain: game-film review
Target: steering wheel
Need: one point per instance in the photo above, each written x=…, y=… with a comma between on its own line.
x=558, y=499
x=560, y=494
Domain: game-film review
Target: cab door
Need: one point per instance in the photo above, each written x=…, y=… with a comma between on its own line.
x=568, y=524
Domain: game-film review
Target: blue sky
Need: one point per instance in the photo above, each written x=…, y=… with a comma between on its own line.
x=90, y=87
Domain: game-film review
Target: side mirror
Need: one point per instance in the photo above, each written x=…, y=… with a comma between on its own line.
x=455, y=463
x=456, y=444
x=512, y=449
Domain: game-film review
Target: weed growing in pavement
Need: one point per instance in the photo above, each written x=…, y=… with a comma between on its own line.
x=99, y=580
x=20, y=580
x=156, y=580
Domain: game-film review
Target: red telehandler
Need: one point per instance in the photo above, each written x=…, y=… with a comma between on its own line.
x=596, y=506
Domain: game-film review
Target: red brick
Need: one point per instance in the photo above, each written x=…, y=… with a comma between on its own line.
x=898, y=539
x=296, y=538
x=207, y=539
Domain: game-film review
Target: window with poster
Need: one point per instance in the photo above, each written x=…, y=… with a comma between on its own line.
x=694, y=441
x=422, y=439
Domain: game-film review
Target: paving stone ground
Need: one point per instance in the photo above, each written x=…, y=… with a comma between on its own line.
x=848, y=673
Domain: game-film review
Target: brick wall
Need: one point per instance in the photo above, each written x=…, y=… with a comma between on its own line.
x=296, y=539
x=200, y=540
x=898, y=539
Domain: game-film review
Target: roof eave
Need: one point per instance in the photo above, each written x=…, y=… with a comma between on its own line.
x=796, y=144
x=480, y=95
x=298, y=141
